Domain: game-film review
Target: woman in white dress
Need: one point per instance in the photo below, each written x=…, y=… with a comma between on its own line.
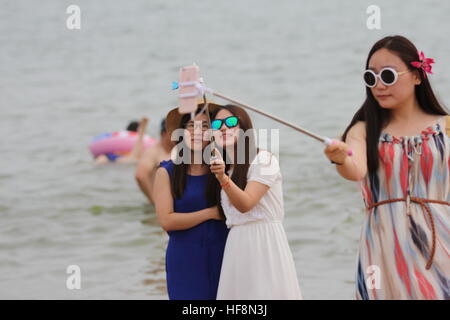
x=257, y=262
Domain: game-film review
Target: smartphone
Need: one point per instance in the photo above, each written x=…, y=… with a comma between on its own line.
x=188, y=74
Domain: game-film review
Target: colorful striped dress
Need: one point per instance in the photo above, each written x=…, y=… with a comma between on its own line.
x=395, y=259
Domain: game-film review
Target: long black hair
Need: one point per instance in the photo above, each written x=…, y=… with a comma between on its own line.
x=376, y=117
x=246, y=135
x=178, y=178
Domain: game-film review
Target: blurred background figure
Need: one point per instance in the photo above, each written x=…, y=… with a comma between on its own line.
x=150, y=160
x=124, y=146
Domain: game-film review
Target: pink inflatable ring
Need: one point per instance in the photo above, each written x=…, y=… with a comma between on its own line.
x=118, y=143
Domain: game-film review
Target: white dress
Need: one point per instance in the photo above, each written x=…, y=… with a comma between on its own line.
x=257, y=262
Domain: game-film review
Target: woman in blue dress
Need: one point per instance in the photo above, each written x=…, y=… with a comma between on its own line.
x=186, y=194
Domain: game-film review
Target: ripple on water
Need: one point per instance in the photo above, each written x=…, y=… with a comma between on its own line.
x=58, y=208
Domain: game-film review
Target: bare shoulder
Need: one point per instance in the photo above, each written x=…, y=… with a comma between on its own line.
x=163, y=155
x=152, y=155
x=152, y=151
x=357, y=131
x=161, y=174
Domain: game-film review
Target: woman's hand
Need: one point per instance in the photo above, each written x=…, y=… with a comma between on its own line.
x=337, y=152
x=214, y=213
x=217, y=167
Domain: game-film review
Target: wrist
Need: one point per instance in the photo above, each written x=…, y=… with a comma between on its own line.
x=223, y=179
x=209, y=213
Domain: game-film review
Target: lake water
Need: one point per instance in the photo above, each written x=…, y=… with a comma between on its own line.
x=300, y=60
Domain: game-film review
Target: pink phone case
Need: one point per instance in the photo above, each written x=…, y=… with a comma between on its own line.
x=188, y=74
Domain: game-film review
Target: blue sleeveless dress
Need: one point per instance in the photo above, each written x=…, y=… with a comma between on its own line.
x=194, y=256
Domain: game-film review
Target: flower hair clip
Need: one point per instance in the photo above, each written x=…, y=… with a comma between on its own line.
x=423, y=63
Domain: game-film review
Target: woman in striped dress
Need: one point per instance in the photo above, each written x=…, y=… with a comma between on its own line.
x=401, y=157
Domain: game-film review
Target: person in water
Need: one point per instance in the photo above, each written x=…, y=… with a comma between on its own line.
x=150, y=160
x=138, y=147
x=400, y=155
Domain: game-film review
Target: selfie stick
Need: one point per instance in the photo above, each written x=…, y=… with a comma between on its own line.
x=202, y=90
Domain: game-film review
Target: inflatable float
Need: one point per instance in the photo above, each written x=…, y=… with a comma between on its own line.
x=118, y=143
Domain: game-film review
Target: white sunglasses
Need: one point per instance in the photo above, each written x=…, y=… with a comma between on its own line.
x=388, y=76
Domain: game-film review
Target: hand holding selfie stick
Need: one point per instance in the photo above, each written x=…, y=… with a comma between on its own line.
x=191, y=87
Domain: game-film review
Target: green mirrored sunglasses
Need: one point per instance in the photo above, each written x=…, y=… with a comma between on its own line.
x=230, y=122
